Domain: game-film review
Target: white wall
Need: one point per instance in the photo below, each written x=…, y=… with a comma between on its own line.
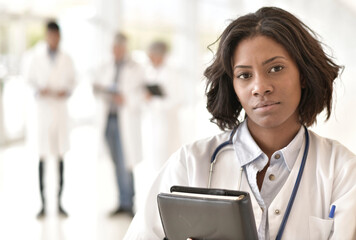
x=88, y=27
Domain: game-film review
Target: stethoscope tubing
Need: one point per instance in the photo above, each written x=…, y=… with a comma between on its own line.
x=215, y=153
x=224, y=144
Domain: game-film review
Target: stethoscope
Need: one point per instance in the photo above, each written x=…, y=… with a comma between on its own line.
x=297, y=181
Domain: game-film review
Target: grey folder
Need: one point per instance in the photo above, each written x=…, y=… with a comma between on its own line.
x=206, y=214
x=155, y=90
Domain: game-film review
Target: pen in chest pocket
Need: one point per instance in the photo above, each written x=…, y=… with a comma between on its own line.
x=332, y=212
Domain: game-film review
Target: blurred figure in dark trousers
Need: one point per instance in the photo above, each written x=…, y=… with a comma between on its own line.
x=119, y=84
x=51, y=74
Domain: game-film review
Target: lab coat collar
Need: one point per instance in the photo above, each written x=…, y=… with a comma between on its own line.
x=290, y=152
x=247, y=149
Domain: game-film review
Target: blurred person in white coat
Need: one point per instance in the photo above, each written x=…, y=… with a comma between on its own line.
x=119, y=86
x=161, y=132
x=161, y=109
x=51, y=73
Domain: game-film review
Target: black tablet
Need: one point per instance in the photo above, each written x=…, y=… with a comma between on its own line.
x=155, y=90
x=202, y=213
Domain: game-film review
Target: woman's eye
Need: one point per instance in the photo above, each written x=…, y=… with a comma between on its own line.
x=244, y=75
x=276, y=69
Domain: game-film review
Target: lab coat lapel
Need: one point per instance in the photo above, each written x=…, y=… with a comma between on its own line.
x=42, y=79
x=278, y=206
x=57, y=67
x=255, y=206
x=229, y=179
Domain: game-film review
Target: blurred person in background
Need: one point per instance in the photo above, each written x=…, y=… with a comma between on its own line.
x=119, y=85
x=51, y=73
x=161, y=108
x=160, y=118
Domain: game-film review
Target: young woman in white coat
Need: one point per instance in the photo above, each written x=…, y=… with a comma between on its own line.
x=51, y=74
x=270, y=65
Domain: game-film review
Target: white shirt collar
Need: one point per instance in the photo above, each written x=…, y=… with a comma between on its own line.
x=247, y=149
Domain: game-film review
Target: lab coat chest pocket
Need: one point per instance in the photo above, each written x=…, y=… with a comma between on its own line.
x=320, y=229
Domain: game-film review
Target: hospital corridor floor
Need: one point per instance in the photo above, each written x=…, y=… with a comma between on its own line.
x=89, y=194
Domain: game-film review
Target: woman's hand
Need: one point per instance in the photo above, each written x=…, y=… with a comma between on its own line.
x=46, y=92
x=62, y=94
x=118, y=99
x=148, y=96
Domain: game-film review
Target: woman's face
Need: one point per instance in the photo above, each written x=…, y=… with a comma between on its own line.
x=267, y=83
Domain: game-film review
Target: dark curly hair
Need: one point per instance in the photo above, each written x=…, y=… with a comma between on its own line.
x=316, y=68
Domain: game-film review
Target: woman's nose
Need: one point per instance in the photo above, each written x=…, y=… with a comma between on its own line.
x=261, y=86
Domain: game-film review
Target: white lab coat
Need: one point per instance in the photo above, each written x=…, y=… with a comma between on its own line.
x=161, y=125
x=130, y=85
x=329, y=178
x=52, y=113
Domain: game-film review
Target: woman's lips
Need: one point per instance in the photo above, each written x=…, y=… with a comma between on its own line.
x=265, y=105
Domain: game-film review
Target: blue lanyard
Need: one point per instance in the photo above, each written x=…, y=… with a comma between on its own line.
x=296, y=186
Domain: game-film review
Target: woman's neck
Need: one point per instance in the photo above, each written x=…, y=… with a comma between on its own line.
x=271, y=140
